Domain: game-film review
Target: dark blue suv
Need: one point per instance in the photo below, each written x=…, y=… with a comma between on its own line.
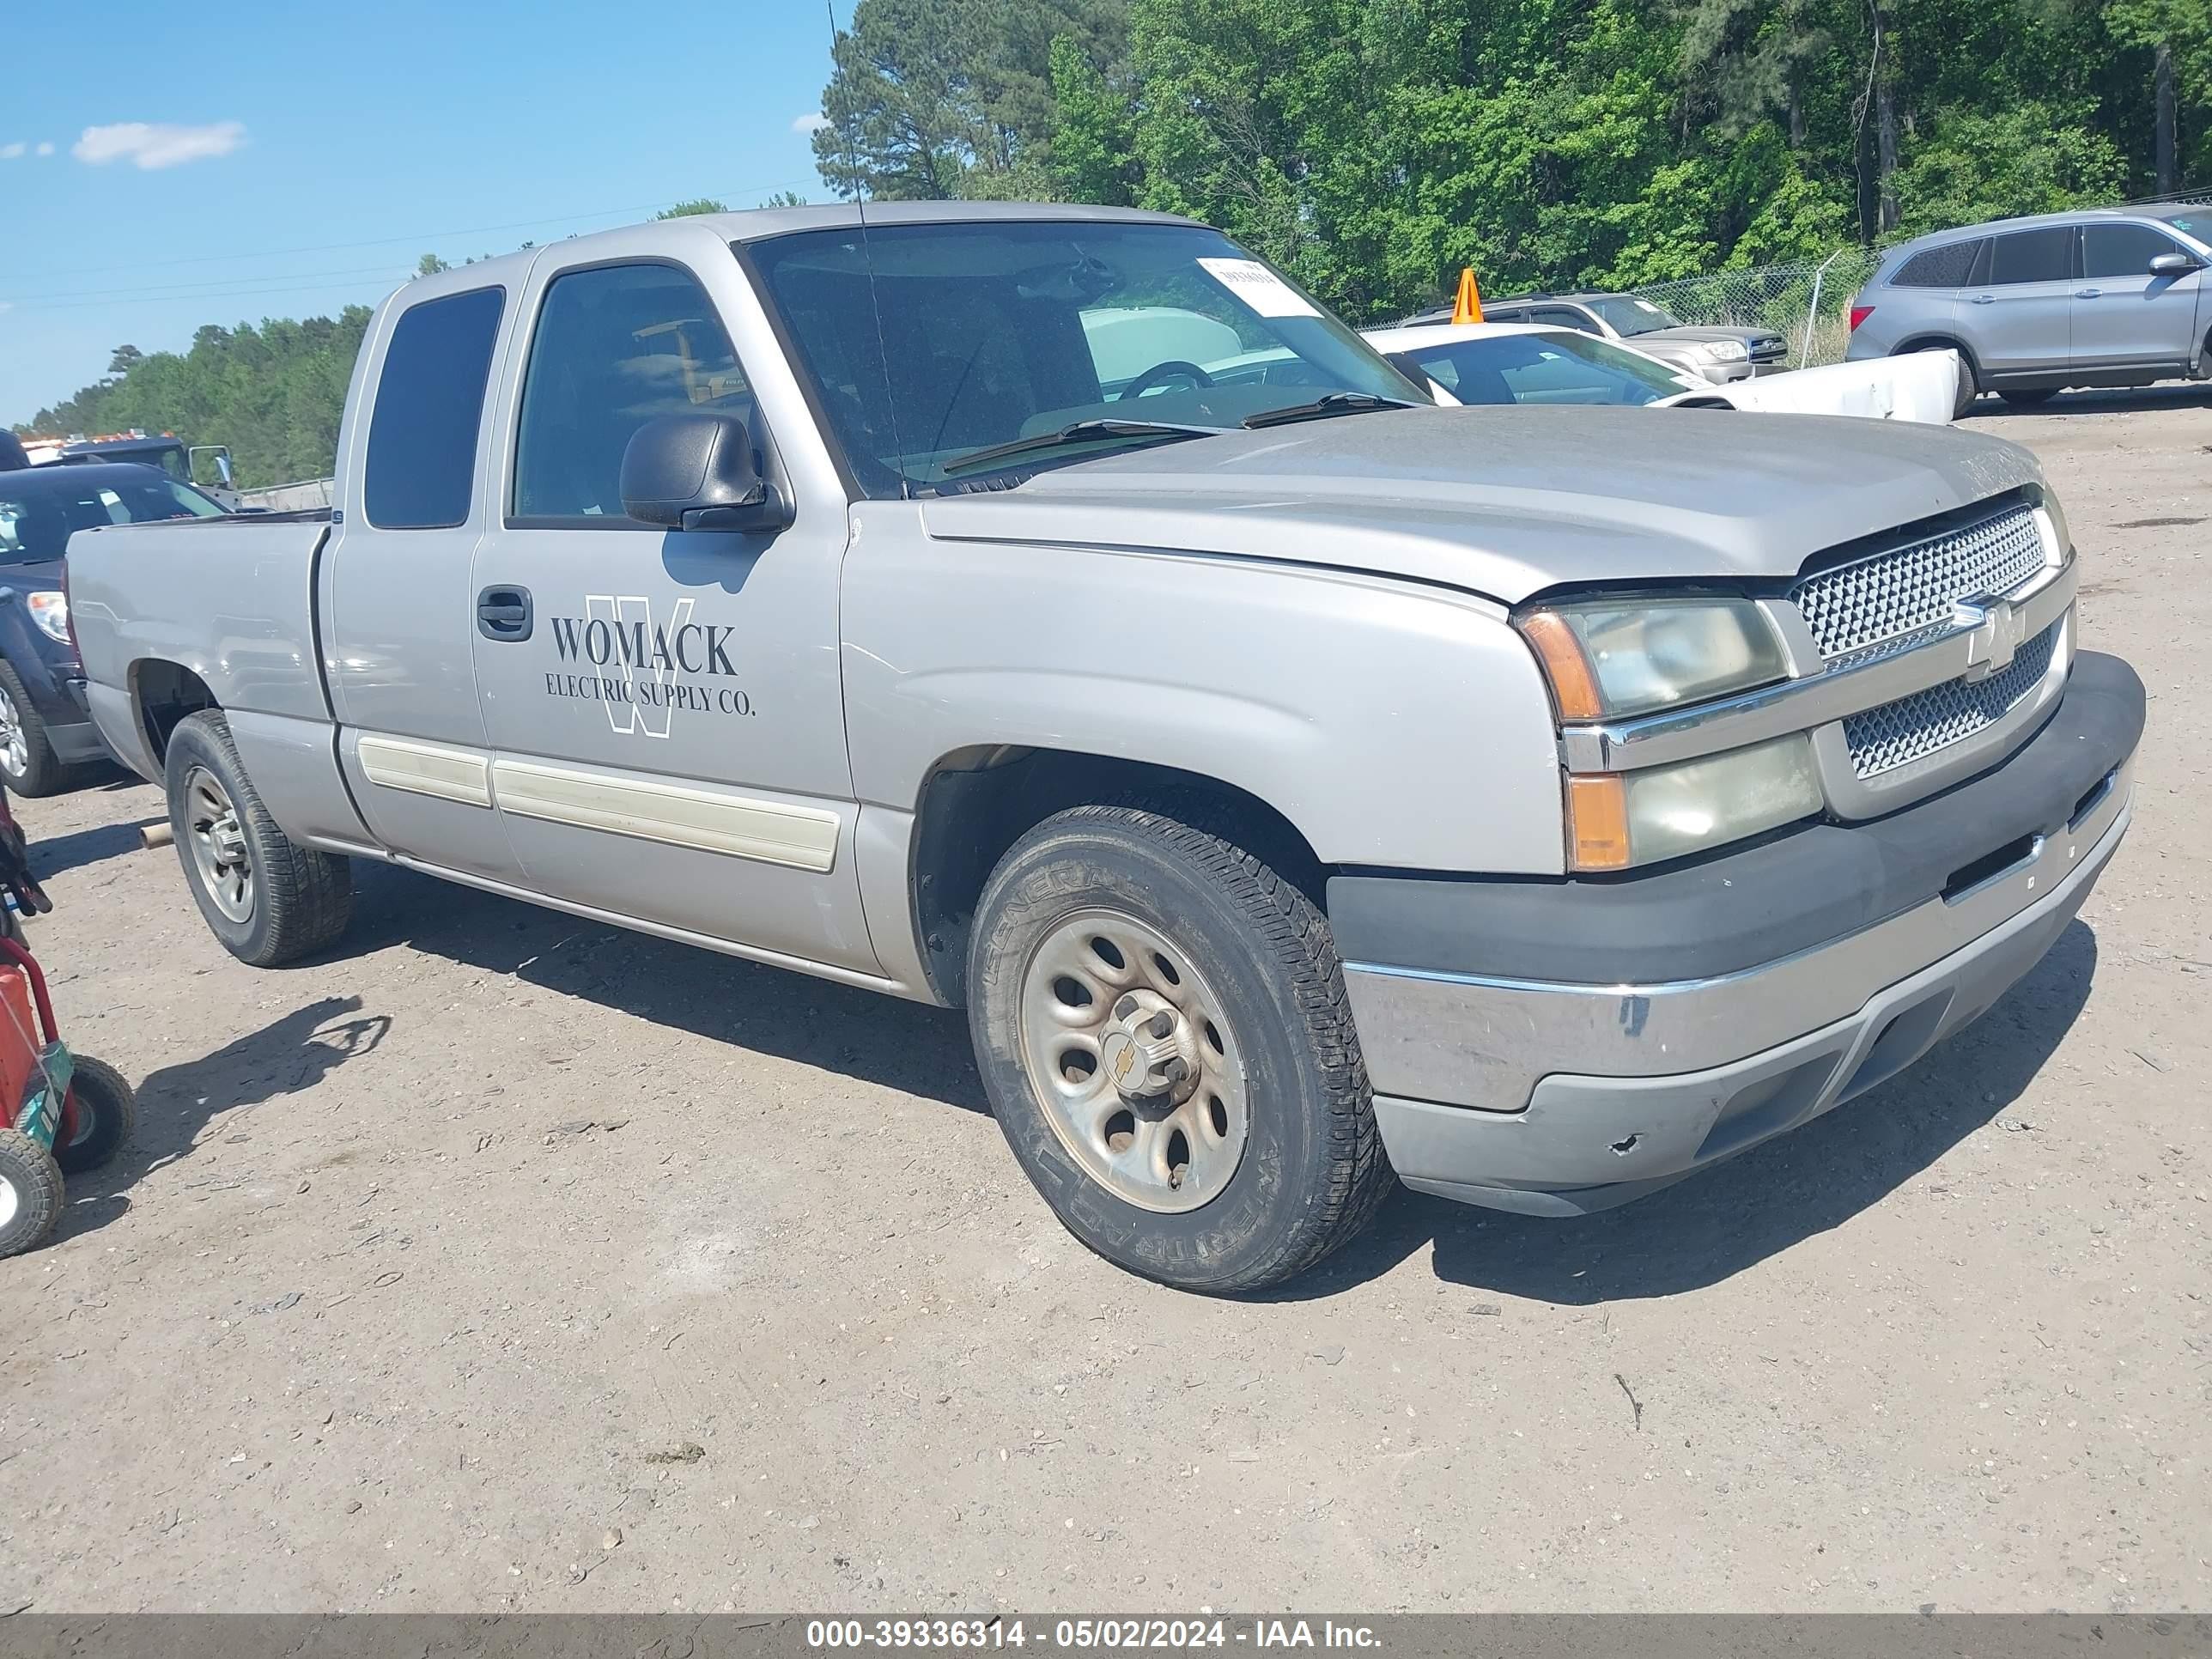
x=45, y=736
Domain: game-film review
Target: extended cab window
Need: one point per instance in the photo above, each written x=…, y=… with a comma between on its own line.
x=616, y=346
x=430, y=404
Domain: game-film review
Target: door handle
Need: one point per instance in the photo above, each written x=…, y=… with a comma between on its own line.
x=504, y=613
x=2088, y=293
x=1983, y=300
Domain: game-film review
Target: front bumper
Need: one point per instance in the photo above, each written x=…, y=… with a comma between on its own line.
x=1671, y=1020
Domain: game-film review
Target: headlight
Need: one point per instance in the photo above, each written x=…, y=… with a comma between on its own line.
x=1616, y=819
x=1631, y=656
x=51, y=612
x=1727, y=351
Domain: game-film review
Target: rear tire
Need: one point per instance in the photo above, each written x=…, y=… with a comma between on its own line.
x=106, y=1113
x=1281, y=1162
x=30, y=1192
x=27, y=760
x=1970, y=383
x=269, y=900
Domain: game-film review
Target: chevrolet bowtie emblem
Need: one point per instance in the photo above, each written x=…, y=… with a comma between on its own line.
x=1999, y=631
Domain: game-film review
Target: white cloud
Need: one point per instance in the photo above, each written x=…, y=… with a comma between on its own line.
x=812, y=122
x=45, y=149
x=9, y=152
x=156, y=143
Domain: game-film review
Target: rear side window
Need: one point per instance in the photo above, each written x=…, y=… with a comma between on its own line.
x=429, y=403
x=616, y=346
x=2123, y=250
x=1949, y=266
x=2032, y=256
x=1564, y=317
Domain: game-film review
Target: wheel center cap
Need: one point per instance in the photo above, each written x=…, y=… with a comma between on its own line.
x=1147, y=1048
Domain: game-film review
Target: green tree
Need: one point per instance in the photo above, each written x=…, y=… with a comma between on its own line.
x=430, y=264
x=693, y=208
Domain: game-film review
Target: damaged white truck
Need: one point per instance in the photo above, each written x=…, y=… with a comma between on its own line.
x=1300, y=786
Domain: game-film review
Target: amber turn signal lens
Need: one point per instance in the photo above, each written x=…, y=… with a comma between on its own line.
x=1598, y=822
x=1573, y=686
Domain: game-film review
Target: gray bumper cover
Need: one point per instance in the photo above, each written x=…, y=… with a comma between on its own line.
x=1559, y=1098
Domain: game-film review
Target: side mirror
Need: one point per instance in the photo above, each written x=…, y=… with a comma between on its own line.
x=2173, y=264
x=223, y=467
x=697, y=472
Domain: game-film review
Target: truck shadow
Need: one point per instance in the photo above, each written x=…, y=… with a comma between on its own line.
x=52, y=854
x=178, y=1104
x=1738, y=1213
x=910, y=1047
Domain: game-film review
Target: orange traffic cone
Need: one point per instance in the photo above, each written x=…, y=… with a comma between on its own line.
x=1468, y=308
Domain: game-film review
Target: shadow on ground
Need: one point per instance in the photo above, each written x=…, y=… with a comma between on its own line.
x=52, y=854
x=1687, y=1236
x=1738, y=1213
x=2139, y=399
x=177, y=1103
x=907, y=1045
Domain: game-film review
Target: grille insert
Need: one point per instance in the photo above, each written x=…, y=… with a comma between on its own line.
x=1897, y=734
x=1888, y=597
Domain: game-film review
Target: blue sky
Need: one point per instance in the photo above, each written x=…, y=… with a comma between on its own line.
x=256, y=160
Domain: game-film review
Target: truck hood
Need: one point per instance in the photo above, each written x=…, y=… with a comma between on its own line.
x=1508, y=503
x=1702, y=333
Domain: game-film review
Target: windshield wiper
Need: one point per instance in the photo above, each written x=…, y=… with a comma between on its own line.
x=1077, y=433
x=1321, y=408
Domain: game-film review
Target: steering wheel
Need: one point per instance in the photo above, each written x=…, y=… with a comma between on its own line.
x=1171, y=369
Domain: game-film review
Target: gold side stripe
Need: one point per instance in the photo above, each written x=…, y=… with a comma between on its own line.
x=428, y=768
x=772, y=832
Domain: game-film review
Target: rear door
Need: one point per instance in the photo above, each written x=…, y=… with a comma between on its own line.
x=664, y=707
x=2018, y=318
x=395, y=598
x=2124, y=316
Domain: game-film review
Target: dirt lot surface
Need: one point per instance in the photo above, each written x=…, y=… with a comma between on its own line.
x=506, y=1261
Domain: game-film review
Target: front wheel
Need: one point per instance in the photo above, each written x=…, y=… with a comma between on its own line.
x=30, y=1192
x=1161, y=1024
x=27, y=760
x=269, y=899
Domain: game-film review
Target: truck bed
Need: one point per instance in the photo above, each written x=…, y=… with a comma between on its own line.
x=231, y=599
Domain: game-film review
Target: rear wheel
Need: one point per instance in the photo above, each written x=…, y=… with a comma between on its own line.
x=106, y=1113
x=269, y=899
x=1970, y=386
x=1161, y=1024
x=30, y=1192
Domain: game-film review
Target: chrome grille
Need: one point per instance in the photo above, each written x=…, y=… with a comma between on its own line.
x=1888, y=597
x=1897, y=734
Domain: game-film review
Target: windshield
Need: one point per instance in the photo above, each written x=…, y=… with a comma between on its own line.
x=1556, y=367
x=2195, y=224
x=38, y=513
x=994, y=333
x=1625, y=315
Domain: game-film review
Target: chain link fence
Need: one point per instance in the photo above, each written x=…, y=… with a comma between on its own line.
x=1807, y=301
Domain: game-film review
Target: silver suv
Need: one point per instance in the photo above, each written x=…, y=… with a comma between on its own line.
x=2110, y=297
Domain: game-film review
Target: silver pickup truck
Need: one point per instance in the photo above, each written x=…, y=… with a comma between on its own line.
x=1298, y=784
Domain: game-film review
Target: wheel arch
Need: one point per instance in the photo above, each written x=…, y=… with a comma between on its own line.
x=1933, y=340
x=163, y=694
x=976, y=803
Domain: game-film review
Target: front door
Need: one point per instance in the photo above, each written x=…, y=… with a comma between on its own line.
x=664, y=707
x=2123, y=314
x=2019, y=322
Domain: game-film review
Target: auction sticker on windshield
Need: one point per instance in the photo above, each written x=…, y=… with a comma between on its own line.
x=1258, y=288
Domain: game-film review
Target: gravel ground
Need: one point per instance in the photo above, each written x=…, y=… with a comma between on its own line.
x=510, y=1262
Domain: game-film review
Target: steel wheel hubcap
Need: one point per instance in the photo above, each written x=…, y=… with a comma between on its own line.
x=15, y=749
x=218, y=844
x=1132, y=1056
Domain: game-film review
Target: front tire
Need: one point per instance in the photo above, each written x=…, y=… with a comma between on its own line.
x=27, y=760
x=30, y=1192
x=106, y=1113
x=269, y=900
x=1161, y=1024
